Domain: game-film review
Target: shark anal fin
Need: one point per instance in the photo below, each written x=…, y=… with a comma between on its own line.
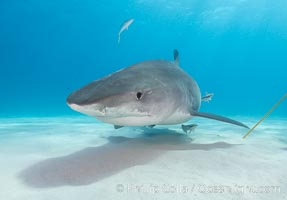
x=217, y=117
x=188, y=128
x=118, y=127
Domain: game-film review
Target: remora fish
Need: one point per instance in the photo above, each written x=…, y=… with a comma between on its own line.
x=156, y=92
x=124, y=27
x=207, y=97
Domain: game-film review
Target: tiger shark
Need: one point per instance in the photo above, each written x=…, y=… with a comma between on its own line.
x=149, y=93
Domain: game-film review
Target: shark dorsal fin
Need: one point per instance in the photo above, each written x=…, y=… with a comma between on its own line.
x=176, y=56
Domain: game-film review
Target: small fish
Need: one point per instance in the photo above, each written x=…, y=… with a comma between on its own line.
x=207, y=97
x=124, y=27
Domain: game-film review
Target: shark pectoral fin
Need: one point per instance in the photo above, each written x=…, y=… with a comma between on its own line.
x=188, y=128
x=118, y=127
x=217, y=117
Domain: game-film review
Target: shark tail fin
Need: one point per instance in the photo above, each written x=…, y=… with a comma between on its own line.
x=217, y=117
x=176, y=56
x=119, y=38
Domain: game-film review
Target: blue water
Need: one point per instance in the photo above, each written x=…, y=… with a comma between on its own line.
x=235, y=49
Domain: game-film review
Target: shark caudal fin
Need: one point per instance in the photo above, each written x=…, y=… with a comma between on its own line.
x=119, y=38
x=217, y=117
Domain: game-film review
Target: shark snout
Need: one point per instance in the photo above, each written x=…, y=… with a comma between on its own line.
x=108, y=102
x=82, y=103
x=85, y=96
x=77, y=98
x=95, y=110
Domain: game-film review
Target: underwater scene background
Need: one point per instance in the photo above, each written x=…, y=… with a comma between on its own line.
x=234, y=49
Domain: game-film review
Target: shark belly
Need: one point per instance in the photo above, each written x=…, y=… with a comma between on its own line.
x=177, y=117
x=130, y=121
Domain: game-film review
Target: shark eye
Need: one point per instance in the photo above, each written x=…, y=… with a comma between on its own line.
x=139, y=95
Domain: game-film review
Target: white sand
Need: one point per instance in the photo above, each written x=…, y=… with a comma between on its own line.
x=79, y=158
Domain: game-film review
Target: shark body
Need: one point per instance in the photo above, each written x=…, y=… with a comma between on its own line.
x=156, y=92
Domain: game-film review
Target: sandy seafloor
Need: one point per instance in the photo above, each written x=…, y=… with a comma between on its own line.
x=79, y=158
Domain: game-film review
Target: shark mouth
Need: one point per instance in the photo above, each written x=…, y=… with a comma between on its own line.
x=97, y=110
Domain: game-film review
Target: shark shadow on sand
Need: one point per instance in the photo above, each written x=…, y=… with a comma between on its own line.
x=96, y=163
